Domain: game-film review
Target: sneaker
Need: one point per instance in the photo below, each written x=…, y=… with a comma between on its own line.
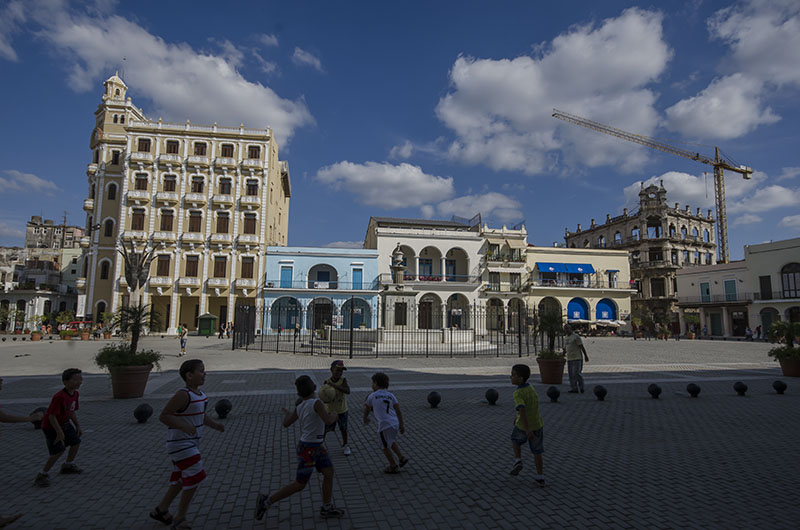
x=42, y=480
x=517, y=468
x=347, y=451
x=540, y=482
x=261, y=506
x=403, y=461
x=330, y=512
x=68, y=468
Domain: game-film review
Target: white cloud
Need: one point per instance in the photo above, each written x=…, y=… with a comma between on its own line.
x=764, y=38
x=10, y=18
x=500, y=110
x=180, y=81
x=8, y=230
x=765, y=199
x=490, y=205
x=268, y=40
x=345, y=244
x=17, y=181
x=268, y=67
x=791, y=221
x=728, y=108
x=789, y=173
x=303, y=58
x=386, y=185
x=746, y=219
x=403, y=150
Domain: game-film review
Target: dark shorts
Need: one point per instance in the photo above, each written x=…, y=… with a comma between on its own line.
x=183, y=343
x=341, y=421
x=518, y=437
x=70, y=438
x=309, y=457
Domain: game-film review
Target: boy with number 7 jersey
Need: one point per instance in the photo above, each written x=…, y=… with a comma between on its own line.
x=386, y=409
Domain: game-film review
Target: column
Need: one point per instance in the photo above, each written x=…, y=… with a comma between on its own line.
x=726, y=326
x=682, y=321
x=702, y=320
x=442, y=267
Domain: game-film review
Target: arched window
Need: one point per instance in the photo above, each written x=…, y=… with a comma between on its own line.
x=112, y=192
x=635, y=233
x=601, y=242
x=706, y=235
x=108, y=228
x=122, y=119
x=104, y=268
x=116, y=92
x=695, y=233
x=790, y=280
x=671, y=230
x=683, y=232
x=618, y=238
x=101, y=308
x=115, y=118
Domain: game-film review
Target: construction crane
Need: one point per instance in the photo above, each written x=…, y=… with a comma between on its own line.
x=718, y=163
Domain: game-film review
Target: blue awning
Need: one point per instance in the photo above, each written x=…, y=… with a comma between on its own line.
x=579, y=268
x=550, y=267
x=612, y=270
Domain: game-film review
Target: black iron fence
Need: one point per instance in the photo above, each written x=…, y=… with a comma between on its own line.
x=416, y=330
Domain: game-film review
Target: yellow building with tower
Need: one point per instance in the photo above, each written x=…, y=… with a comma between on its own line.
x=207, y=199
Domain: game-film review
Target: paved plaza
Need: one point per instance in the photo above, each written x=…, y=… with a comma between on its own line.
x=718, y=461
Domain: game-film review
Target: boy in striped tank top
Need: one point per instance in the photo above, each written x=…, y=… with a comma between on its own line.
x=311, y=453
x=185, y=416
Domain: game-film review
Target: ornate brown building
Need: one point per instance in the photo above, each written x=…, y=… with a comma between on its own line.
x=660, y=240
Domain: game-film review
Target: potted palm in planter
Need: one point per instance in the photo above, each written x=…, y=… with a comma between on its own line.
x=551, y=362
x=128, y=365
x=37, y=322
x=787, y=354
x=108, y=323
x=18, y=316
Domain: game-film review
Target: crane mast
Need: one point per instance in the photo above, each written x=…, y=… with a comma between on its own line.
x=718, y=163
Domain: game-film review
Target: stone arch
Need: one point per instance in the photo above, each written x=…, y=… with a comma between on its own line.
x=362, y=313
x=429, y=315
x=284, y=312
x=456, y=265
x=323, y=276
x=430, y=264
x=495, y=315
x=458, y=312
x=577, y=309
x=606, y=309
x=548, y=304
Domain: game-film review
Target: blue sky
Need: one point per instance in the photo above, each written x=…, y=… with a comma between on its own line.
x=423, y=109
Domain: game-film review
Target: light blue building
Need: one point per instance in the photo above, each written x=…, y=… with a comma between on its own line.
x=319, y=287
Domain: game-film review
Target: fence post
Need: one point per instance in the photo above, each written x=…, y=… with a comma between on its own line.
x=351, y=326
x=263, y=328
x=474, y=331
x=519, y=329
x=451, y=342
x=330, y=340
x=426, y=342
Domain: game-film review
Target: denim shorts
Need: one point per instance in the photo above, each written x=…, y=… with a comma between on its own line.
x=311, y=456
x=518, y=437
x=341, y=421
x=70, y=438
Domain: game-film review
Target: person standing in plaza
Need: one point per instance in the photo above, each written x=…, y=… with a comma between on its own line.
x=10, y=418
x=748, y=333
x=185, y=416
x=528, y=425
x=311, y=451
x=758, y=331
x=61, y=427
x=183, y=331
x=386, y=409
x=573, y=346
x=339, y=404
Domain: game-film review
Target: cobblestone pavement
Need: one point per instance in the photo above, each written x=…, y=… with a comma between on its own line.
x=718, y=461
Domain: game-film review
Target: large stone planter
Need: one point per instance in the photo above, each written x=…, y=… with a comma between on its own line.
x=36, y=336
x=129, y=381
x=551, y=370
x=84, y=335
x=790, y=367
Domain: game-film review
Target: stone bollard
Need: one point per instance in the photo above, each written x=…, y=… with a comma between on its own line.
x=223, y=407
x=654, y=390
x=491, y=396
x=779, y=386
x=740, y=388
x=693, y=389
x=600, y=392
x=434, y=399
x=142, y=412
x=553, y=393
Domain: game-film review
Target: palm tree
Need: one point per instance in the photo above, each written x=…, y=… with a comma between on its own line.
x=550, y=325
x=137, y=268
x=133, y=319
x=782, y=329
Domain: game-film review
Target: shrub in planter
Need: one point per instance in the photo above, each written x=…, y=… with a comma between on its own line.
x=788, y=355
x=129, y=369
x=67, y=334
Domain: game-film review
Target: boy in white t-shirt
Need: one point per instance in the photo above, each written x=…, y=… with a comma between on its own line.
x=386, y=409
x=311, y=453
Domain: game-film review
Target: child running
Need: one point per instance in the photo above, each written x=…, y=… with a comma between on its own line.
x=185, y=415
x=339, y=403
x=311, y=453
x=528, y=427
x=386, y=409
x=183, y=331
x=61, y=428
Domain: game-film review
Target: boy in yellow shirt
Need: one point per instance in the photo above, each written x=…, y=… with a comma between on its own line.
x=528, y=426
x=339, y=404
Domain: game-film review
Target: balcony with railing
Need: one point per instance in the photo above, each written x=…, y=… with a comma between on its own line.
x=511, y=258
x=252, y=163
x=170, y=159
x=218, y=282
x=247, y=239
x=586, y=283
x=221, y=239
x=222, y=199
x=195, y=198
x=192, y=237
x=654, y=264
x=142, y=157
x=134, y=235
x=189, y=281
x=197, y=160
x=433, y=278
x=278, y=284
x=138, y=196
x=165, y=236
x=225, y=162
x=716, y=299
x=245, y=283
x=167, y=197
x=160, y=281
x=250, y=201
x=787, y=294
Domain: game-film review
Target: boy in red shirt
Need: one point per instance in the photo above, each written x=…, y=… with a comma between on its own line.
x=61, y=428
